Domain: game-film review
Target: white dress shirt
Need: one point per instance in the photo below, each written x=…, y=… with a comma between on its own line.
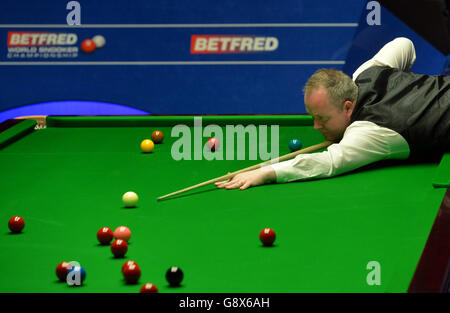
x=363, y=142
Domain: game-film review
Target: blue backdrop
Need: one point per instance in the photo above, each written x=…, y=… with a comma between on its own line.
x=147, y=64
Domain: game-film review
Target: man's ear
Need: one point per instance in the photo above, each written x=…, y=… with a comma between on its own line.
x=348, y=107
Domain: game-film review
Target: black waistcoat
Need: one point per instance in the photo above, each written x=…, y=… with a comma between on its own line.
x=414, y=105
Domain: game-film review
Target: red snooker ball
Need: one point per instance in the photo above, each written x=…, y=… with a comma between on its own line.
x=213, y=144
x=267, y=236
x=131, y=273
x=88, y=46
x=62, y=269
x=105, y=235
x=16, y=224
x=127, y=263
x=119, y=248
x=149, y=288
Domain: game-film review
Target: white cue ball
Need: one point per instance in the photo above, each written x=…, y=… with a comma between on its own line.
x=130, y=199
x=99, y=41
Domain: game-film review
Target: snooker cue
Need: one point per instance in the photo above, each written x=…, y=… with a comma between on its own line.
x=230, y=175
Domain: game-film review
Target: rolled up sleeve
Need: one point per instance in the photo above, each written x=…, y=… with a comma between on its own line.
x=363, y=143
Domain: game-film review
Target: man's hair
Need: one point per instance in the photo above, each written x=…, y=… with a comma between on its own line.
x=339, y=86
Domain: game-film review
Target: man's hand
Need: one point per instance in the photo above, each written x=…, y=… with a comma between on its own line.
x=253, y=178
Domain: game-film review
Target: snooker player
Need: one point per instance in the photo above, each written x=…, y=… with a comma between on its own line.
x=383, y=112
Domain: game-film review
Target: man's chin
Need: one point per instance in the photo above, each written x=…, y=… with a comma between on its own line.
x=330, y=138
x=327, y=137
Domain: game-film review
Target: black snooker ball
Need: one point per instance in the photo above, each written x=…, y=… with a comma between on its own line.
x=174, y=276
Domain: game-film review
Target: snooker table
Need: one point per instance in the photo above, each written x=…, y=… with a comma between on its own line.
x=65, y=176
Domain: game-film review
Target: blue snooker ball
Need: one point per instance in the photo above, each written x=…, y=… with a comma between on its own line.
x=76, y=276
x=295, y=145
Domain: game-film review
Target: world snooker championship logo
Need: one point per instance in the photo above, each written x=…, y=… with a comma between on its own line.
x=32, y=45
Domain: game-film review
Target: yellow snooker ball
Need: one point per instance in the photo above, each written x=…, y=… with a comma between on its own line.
x=147, y=146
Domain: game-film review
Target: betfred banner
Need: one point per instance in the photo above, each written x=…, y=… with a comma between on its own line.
x=171, y=57
x=220, y=44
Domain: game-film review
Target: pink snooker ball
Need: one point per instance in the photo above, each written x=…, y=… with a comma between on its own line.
x=213, y=144
x=122, y=232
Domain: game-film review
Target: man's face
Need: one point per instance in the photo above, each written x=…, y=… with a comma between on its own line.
x=328, y=119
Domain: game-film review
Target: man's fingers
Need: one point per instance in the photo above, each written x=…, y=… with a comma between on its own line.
x=245, y=186
x=233, y=185
x=221, y=183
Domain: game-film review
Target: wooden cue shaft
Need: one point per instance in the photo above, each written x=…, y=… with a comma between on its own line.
x=230, y=175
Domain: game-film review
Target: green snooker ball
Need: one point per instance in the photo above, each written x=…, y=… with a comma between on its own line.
x=295, y=145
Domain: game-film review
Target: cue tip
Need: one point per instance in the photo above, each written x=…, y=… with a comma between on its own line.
x=161, y=198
